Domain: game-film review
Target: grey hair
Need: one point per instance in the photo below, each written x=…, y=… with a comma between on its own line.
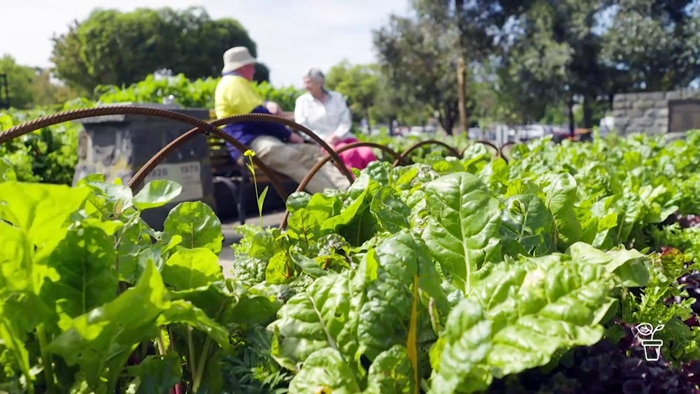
x=315, y=74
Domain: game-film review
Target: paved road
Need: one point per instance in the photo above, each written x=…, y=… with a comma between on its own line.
x=226, y=258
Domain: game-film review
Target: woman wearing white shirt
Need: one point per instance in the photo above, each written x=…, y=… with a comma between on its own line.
x=326, y=113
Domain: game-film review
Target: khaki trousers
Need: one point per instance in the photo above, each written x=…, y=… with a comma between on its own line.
x=296, y=161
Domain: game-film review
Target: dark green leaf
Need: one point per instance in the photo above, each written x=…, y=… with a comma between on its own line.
x=392, y=214
x=192, y=268
x=185, y=312
x=527, y=222
x=325, y=371
x=87, y=277
x=463, y=230
x=157, y=374
x=101, y=340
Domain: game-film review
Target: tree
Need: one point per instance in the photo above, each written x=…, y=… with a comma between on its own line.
x=390, y=104
x=115, y=48
x=431, y=55
x=19, y=81
x=554, y=57
x=419, y=64
x=358, y=83
x=47, y=92
x=474, y=28
x=568, y=51
x=656, y=43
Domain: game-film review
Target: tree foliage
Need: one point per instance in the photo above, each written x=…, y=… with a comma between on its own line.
x=19, y=81
x=418, y=61
x=590, y=50
x=656, y=43
x=32, y=86
x=554, y=58
x=120, y=48
x=358, y=83
x=531, y=58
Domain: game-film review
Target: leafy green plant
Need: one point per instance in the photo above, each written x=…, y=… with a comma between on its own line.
x=445, y=276
x=81, y=258
x=395, y=304
x=46, y=155
x=198, y=93
x=432, y=261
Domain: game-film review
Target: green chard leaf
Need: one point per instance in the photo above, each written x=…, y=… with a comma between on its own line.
x=86, y=277
x=529, y=310
x=192, y=268
x=157, y=374
x=629, y=267
x=325, y=371
x=392, y=214
x=391, y=372
x=388, y=275
x=463, y=231
x=192, y=225
x=315, y=319
x=560, y=191
x=101, y=340
x=459, y=356
x=528, y=226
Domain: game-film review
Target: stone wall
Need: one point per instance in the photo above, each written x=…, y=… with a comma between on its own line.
x=646, y=112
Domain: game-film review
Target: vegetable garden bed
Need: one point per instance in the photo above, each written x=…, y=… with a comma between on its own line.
x=448, y=275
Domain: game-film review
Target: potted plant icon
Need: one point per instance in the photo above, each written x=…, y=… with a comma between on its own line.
x=652, y=347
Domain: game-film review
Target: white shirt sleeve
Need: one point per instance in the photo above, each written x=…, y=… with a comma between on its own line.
x=344, y=118
x=300, y=109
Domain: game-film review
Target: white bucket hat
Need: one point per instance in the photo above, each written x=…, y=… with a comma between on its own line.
x=236, y=58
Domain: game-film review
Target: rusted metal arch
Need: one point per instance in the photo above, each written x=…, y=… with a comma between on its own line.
x=317, y=167
x=143, y=172
x=506, y=146
x=65, y=116
x=212, y=127
x=489, y=144
x=158, y=157
x=397, y=160
x=277, y=119
x=425, y=142
x=200, y=127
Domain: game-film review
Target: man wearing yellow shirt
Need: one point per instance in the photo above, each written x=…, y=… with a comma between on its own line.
x=274, y=144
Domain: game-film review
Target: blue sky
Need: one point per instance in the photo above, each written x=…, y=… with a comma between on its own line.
x=291, y=35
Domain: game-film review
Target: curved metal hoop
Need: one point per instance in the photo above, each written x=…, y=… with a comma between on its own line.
x=317, y=167
x=506, y=148
x=422, y=143
x=490, y=145
x=212, y=127
x=200, y=127
x=158, y=157
x=67, y=116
